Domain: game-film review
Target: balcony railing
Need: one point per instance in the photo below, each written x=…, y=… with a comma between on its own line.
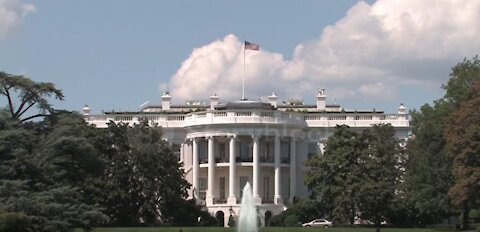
x=220, y=201
x=268, y=159
x=244, y=159
x=268, y=200
x=251, y=116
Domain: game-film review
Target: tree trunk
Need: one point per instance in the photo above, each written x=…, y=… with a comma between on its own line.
x=378, y=223
x=352, y=214
x=465, y=216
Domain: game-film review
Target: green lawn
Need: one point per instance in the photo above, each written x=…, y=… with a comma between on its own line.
x=268, y=229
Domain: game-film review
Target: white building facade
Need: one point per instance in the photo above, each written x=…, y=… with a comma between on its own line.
x=225, y=145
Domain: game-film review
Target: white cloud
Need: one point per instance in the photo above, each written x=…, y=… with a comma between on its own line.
x=375, y=52
x=12, y=13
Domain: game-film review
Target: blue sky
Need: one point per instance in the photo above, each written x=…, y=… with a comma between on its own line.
x=120, y=54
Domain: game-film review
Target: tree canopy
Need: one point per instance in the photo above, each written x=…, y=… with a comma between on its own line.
x=58, y=172
x=463, y=143
x=428, y=173
x=22, y=94
x=358, y=175
x=335, y=176
x=432, y=171
x=144, y=180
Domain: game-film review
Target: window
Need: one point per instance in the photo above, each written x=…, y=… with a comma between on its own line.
x=285, y=152
x=312, y=149
x=202, y=188
x=222, y=153
x=246, y=154
x=243, y=182
x=286, y=188
x=176, y=151
x=222, y=187
x=203, y=152
x=268, y=154
x=266, y=188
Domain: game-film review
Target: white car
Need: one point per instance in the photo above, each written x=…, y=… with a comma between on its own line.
x=318, y=223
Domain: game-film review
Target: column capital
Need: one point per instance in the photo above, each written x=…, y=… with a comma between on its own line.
x=234, y=136
x=255, y=136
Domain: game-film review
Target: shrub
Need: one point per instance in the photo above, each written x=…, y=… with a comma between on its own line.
x=474, y=215
x=14, y=222
x=231, y=221
x=478, y=228
x=291, y=220
x=206, y=219
x=278, y=219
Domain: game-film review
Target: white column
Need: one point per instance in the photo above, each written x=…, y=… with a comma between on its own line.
x=256, y=170
x=195, y=167
x=232, y=198
x=278, y=197
x=321, y=146
x=211, y=171
x=293, y=168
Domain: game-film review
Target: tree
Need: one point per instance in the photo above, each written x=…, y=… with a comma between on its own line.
x=429, y=165
x=334, y=177
x=459, y=87
x=27, y=93
x=428, y=171
x=463, y=143
x=143, y=179
x=68, y=148
x=33, y=182
x=381, y=171
x=14, y=222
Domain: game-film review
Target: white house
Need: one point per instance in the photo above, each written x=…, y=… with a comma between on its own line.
x=224, y=145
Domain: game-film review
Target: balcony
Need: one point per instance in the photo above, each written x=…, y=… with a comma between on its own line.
x=201, y=118
x=268, y=159
x=244, y=159
x=220, y=201
x=355, y=120
x=268, y=200
x=178, y=120
x=204, y=160
x=285, y=160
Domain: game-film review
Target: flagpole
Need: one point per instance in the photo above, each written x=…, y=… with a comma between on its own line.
x=243, y=80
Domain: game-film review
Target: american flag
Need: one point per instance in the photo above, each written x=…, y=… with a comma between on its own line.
x=251, y=46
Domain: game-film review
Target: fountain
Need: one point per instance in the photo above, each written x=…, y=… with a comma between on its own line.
x=247, y=221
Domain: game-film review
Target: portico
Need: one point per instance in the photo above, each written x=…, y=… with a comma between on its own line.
x=249, y=158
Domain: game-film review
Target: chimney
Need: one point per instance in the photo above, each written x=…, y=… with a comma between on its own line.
x=321, y=100
x=402, y=109
x=166, y=101
x=86, y=110
x=214, y=101
x=272, y=99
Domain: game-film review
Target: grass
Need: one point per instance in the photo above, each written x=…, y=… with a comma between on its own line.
x=267, y=229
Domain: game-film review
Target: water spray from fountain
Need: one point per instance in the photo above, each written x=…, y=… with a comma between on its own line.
x=247, y=221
